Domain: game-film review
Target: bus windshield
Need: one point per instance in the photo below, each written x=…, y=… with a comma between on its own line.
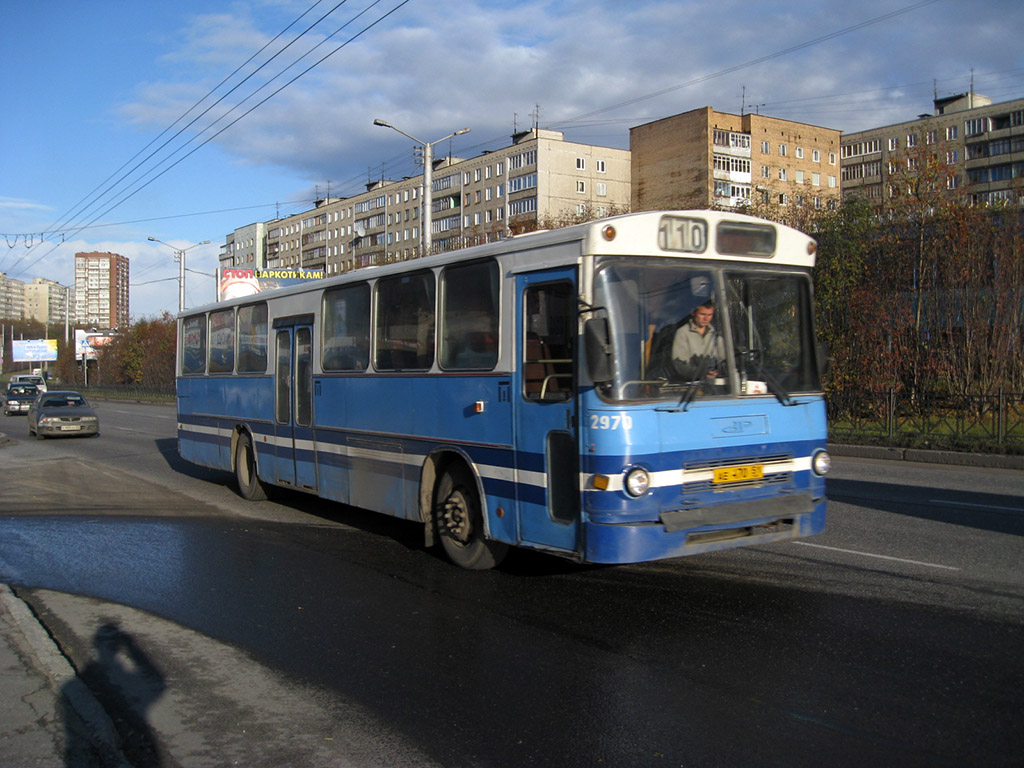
x=672, y=340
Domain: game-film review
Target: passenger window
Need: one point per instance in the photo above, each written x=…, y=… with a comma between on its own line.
x=346, y=334
x=469, y=317
x=193, y=344
x=550, y=324
x=405, y=323
x=222, y=341
x=252, y=339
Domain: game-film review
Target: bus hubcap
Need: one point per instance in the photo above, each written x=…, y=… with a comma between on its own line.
x=455, y=517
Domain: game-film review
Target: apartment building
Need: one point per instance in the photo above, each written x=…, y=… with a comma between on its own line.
x=245, y=248
x=539, y=178
x=709, y=159
x=12, y=298
x=47, y=301
x=101, y=289
x=974, y=145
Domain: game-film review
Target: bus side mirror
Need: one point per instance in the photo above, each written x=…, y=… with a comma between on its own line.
x=598, y=348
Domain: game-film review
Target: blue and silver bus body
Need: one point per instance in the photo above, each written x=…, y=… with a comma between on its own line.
x=550, y=475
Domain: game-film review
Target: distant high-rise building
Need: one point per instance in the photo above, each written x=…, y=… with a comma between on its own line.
x=101, y=289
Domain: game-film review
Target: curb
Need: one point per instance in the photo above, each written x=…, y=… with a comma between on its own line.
x=64, y=679
x=989, y=460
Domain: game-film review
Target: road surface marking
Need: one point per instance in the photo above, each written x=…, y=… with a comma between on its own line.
x=880, y=557
x=942, y=502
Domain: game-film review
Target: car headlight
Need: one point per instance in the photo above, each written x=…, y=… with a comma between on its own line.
x=821, y=463
x=49, y=420
x=638, y=481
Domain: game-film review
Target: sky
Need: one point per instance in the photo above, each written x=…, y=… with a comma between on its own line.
x=126, y=120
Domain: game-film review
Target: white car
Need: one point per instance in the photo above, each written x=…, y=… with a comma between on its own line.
x=29, y=378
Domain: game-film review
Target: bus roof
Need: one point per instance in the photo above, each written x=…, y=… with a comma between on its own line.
x=635, y=234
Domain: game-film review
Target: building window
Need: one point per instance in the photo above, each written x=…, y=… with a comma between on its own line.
x=581, y=186
x=601, y=166
x=832, y=182
x=975, y=126
x=602, y=189
x=783, y=198
x=831, y=158
x=816, y=179
x=581, y=164
x=782, y=174
x=782, y=150
x=799, y=177
x=766, y=147
x=816, y=155
x=894, y=144
x=799, y=153
x=911, y=140
x=766, y=172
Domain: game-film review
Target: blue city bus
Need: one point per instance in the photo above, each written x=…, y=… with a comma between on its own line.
x=531, y=392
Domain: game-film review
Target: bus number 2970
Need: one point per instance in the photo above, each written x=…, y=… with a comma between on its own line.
x=614, y=421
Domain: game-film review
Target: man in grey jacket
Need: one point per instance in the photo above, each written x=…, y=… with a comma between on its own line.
x=697, y=349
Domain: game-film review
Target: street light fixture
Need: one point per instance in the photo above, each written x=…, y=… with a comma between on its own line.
x=179, y=256
x=427, y=199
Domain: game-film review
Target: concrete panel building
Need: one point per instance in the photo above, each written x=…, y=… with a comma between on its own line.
x=977, y=146
x=12, y=298
x=47, y=301
x=709, y=159
x=539, y=178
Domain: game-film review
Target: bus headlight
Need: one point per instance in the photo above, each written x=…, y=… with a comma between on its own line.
x=821, y=463
x=637, y=482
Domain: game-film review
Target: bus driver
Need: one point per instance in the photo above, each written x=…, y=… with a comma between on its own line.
x=698, y=349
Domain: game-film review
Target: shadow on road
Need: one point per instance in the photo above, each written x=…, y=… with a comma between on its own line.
x=127, y=684
x=971, y=508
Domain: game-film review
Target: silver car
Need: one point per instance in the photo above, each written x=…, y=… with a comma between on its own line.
x=60, y=414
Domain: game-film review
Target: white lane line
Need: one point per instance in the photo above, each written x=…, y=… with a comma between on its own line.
x=880, y=557
x=944, y=503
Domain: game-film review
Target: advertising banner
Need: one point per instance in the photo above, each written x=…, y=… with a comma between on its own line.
x=235, y=283
x=33, y=350
x=86, y=343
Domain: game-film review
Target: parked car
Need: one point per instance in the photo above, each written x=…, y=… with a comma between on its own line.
x=19, y=397
x=29, y=378
x=55, y=414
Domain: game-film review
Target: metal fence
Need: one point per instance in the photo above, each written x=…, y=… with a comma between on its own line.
x=985, y=423
x=130, y=392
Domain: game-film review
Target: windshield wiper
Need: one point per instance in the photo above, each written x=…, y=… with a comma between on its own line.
x=750, y=358
x=691, y=387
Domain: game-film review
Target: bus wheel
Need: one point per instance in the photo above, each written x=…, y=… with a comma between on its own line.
x=460, y=522
x=249, y=484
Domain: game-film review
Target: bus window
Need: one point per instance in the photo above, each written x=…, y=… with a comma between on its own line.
x=222, y=341
x=346, y=336
x=550, y=325
x=405, y=322
x=193, y=344
x=303, y=377
x=252, y=339
x=469, y=316
x=283, y=374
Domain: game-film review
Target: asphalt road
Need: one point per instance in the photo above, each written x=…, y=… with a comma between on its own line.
x=894, y=638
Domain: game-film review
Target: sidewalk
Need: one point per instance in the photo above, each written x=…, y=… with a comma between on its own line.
x=48, y=717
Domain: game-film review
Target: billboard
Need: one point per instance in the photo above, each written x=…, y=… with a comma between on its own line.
x=33, y=350
x=86, y=343
x=235, y=283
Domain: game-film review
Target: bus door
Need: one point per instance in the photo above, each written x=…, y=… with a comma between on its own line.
x=295, y=460
x=547, y=449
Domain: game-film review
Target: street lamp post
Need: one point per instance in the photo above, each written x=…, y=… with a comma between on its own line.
x=179, y=256
x=427, y=199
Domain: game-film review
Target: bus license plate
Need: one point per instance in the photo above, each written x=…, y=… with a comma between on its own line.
x=738, y=474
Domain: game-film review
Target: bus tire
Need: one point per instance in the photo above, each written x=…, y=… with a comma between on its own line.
x=250, y=486
x=460, y=522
